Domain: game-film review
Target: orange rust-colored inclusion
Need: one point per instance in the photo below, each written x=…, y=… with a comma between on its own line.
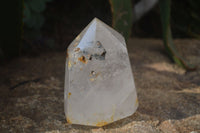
x=77, y=49
x=101, y=123
x=82, y=59
x=69, y=121
x=69, y=94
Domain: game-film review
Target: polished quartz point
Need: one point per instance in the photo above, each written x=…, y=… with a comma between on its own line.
x=99, y=85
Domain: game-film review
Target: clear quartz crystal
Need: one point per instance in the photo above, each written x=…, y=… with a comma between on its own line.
x=99, y=85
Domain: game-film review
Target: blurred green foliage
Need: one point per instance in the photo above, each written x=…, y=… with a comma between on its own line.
x=165, y=9
x=122, y=22
x=33, y=17
x=185, y=18
x=122, y=16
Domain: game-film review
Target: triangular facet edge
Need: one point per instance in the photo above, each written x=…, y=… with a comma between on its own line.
x=79, y=36
x=112, y=31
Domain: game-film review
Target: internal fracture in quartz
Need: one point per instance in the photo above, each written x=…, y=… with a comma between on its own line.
x=99, y=85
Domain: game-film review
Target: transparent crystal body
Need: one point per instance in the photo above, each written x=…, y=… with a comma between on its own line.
x=99, y=85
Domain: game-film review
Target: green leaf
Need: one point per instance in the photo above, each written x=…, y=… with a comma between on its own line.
x=39, y=21
x=35, y=21
x=122, y=16
x=37, y=5
x=167, y=36
x=27, y=12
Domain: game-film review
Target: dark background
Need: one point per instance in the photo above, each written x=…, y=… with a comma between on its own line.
x=54, y=27
x=65, y=19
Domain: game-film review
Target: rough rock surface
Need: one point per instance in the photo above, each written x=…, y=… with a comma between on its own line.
x=31, y=93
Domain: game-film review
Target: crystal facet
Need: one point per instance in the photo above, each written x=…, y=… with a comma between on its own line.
x=99, y=85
